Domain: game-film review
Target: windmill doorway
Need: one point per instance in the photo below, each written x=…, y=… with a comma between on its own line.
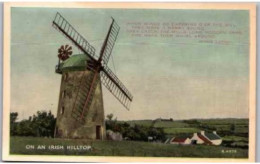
x=98, y=132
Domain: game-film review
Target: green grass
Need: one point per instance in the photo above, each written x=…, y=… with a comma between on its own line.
x=146, y=123
x=241, y=125
x=180, y=130
x=187, y=128
x=226, y=121
x=241, y=130
x=235, y=138
x=171, y=124
x=123, y=148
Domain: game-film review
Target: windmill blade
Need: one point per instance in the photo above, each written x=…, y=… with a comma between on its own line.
x=116, y=87
x=62, y=25
x=109, y=42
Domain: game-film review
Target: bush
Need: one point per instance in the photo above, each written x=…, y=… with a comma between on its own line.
x=40, y=125
x=136, y=132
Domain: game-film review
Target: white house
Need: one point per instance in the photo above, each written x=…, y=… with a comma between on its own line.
x=206, y=138
x=197, y=139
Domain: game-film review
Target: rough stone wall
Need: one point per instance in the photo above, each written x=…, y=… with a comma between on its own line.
x=66, y=125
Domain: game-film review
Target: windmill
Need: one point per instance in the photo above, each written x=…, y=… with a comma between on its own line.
x=80, y=111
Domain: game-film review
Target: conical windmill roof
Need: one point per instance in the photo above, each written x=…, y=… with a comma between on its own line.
x=77, y=62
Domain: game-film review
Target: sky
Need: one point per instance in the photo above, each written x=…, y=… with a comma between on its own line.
x=177, y=78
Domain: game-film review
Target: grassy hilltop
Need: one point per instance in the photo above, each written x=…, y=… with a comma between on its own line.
x=234, y=133
x=123, y=148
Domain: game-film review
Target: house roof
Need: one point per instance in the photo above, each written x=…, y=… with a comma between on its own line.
x=184, y=135
x=212, y=136
x=177, y=139
x=204, y=139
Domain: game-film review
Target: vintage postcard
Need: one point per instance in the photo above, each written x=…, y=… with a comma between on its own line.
x=113, y=82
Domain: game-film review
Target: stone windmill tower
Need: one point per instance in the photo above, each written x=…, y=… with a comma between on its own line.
x=80, y=111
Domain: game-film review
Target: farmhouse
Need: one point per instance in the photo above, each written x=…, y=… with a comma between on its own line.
x=202, y=137
x=206, y=138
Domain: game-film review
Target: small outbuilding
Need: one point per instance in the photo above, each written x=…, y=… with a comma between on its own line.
x=180, y=141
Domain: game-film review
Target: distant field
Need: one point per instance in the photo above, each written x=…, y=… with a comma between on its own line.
x=174, y=127
x=234, y=132
x=123, y=148
x=171, y=124
x=224, y=121
x=235, y=138
x=180, y=130
x=146, y=123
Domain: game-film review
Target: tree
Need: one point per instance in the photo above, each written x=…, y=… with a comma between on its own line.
x=110, y=116
x=41, y=125
x=44, y=124
x=25, y=128
x=13, y=124
x=136, y=132
x=13, y=117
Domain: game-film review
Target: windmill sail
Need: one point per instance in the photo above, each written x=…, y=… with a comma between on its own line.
x=62, y=25
x=109, y=42
x=116, y=87
x=95, y=69
x=90, y=94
